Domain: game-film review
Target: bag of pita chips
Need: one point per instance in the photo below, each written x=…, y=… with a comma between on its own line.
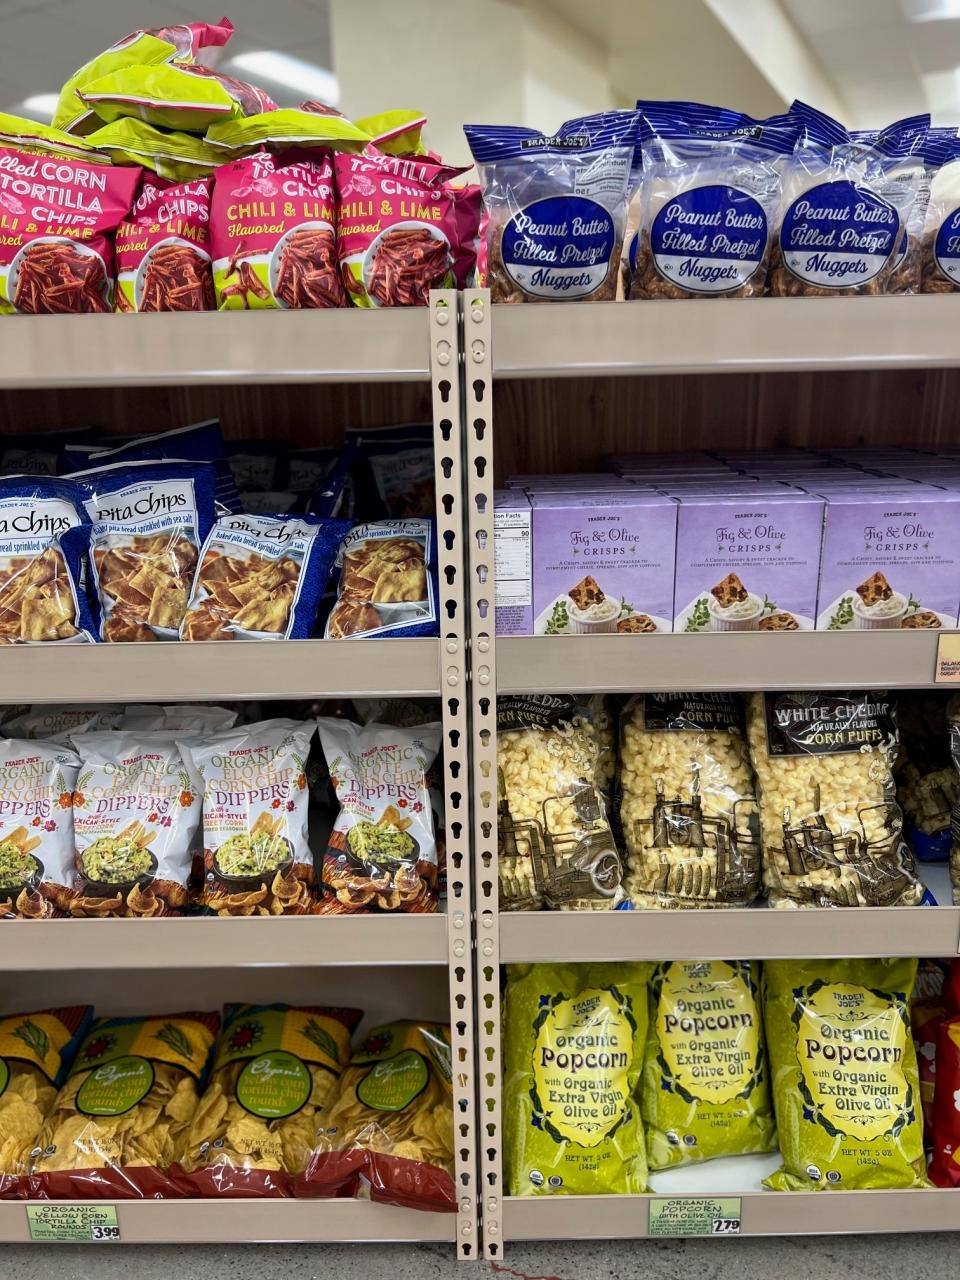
x=388, y=582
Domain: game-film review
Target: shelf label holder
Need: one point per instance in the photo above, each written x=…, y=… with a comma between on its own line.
x=947, y=670
x=57, y=1223
x=694, y=1216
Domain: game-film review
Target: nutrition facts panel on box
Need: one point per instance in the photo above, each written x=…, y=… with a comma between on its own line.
x=512, y=558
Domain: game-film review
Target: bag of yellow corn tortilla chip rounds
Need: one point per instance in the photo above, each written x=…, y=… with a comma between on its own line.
x=275, y=1069
x=388, y=1133
x=706, y=1085
x=35, y=1051
x=122, y=1117
x=844, y=1069
x=574, y=1037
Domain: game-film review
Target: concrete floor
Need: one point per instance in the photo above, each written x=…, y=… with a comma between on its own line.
x=830, y=1258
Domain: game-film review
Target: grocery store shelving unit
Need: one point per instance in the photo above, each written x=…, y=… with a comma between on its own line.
x=391, y=967
x=553, y=386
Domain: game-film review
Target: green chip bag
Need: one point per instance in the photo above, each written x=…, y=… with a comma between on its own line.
x=181, y=157
x=845, y=1083
x=173, y=95
x=706, y=1085
x=574, y=1038
x=288, y=127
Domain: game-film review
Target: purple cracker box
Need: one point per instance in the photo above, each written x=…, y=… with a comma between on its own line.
x=747, y=562
x=513, y=562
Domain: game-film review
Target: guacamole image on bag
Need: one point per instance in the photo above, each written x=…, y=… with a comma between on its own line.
x=706, y=1085
x=574, y=1037
x=845, y=1083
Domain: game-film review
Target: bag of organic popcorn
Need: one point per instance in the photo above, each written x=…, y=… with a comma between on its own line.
x=832, y=828
x=706, y=1084
x=574, y=1037
x=845, y=1082
x=687, y=807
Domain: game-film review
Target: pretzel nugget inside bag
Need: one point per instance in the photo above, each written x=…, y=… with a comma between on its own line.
x=123, y=1116
x=262, y=578
x=687, y=808
x=163, y=259
x=710, y=194
x=832, y=829
x=574, y=1038
x=382, y=852
x=35, y=1051
x=388, y=1132
x=149, y=521
x=556, y=848
x=257, y=860
x=44, y=538
x=554, y=207
x=844, y=1069
x=37, y=781
x=136, y=812
x=275, y=1070
x=387, y=583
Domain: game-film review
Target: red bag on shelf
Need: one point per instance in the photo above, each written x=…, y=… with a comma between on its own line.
x=944, y=1168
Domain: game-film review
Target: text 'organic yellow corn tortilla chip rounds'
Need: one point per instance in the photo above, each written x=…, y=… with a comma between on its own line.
x=122, y=1117
x=275, y=1069
x=844, y=1069
x=35, y=1050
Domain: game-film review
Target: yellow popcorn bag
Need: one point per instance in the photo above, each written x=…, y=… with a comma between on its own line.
x=844, y=1068
x=275, y=1069
x=35, y=1051
x=388, y=1134
x=122, y=1117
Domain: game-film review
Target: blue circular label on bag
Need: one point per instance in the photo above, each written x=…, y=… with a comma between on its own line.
x=709, y=239
x=946, y=248
x=559, y=247
x=838, y=235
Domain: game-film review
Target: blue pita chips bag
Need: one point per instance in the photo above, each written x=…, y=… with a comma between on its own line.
x=388, y=581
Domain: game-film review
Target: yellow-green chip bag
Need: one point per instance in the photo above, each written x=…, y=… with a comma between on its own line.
x=181, y=157
x=43, y=139
x=574, y=1037
x=287, y=127
x=844, y=1068
x=173, y=95
x=706, y=1084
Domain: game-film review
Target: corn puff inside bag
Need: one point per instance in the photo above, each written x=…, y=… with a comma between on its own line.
x=275, y=1069
x=845, y=1083
x=163, y=259
x=35, y=1051
x=390, y=1126
x=122, y=1117
x=574, y=1038
x=706, y=1085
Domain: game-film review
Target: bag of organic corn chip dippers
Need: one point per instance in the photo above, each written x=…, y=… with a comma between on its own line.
x=844, y=1069
x=122, y=1117
x=37, y=781
x=706, y=1085
x=60, y=723
x=388, y=1132
x=189, y=717
x=275, y=1069
x=35, y=1051
x=136, y=811
x=574, y=1038
x=257, y=860
x=149, y=522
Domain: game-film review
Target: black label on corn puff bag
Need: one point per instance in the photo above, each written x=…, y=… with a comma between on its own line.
x=800, y=724
x=693, y=713
x=535, y=711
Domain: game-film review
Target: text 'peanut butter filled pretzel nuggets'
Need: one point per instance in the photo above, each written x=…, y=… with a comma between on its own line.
x=382, y=852
x=388, y=581
x=37, y=781
x=275, y=1070
x=44, y=538
x=554, y=207
x=388, y=1133
x=149, y=522
x=136, y=812
x=257, y=861
x=122, y=1117
x=35, y=1051
x=262, y=578
x=163, y=258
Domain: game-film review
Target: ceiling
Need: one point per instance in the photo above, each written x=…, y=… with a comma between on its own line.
x=44, y=41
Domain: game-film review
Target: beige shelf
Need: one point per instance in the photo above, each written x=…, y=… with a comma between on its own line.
x=792, y=660
x=724, y=336
x=228, y=671
x=229, y=347
x=229, y=1222
x=211, y=942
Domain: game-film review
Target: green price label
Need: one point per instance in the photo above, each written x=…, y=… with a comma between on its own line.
x=73, y=1223
x=692, y=1216
x=274, y=1085
x=115, y=1087
x=391, y=1085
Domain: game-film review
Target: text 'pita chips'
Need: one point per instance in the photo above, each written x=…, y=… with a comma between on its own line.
x=44, y=538
x=37, y=781
x=387, y=581
x=149, y=522
x=261, y=578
